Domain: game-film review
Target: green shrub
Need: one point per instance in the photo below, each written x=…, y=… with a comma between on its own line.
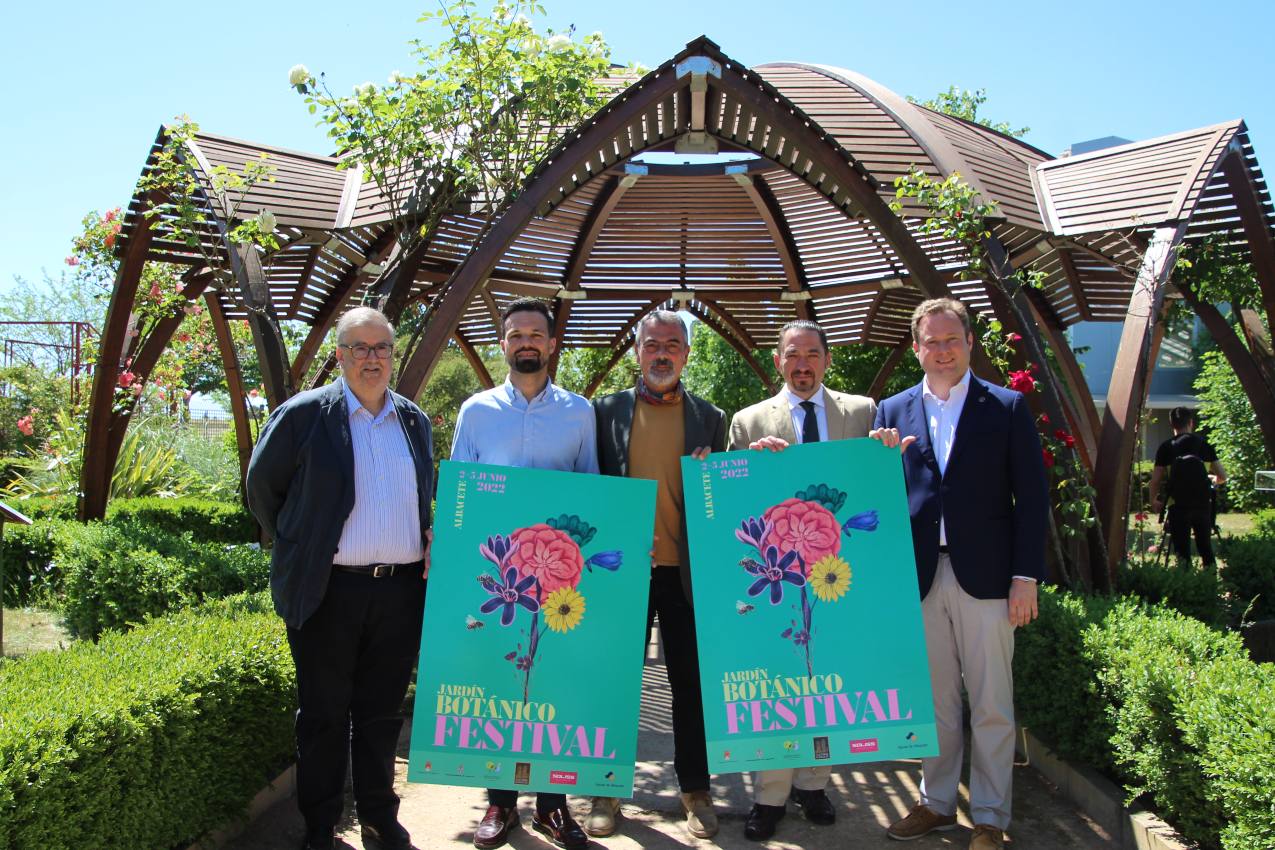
x=26, y=558
x=1193, y=592
x=1249, y=575
x=1055, y=690
x=1264, y=522
x=1146, y=663
x=146, y=739
x=116, y=574
x=219, y=522
x=1229, y=717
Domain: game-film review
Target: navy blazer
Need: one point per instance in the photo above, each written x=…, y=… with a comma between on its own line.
x=300, y=487
x=994, y=496
x=704, y=424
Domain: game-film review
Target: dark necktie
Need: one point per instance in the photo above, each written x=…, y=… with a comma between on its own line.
x=809, y=425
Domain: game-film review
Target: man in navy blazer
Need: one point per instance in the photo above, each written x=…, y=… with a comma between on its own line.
x=978, y=498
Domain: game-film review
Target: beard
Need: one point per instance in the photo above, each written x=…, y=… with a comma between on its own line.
x=526, y=365
x=661, y=375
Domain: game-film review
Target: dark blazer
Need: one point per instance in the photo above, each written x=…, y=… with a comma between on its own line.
x=300, y=488
x=704, y=424
x=994, y=496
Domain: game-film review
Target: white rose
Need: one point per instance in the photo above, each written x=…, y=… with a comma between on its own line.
x=522, y=21
x=266, y=221
x=559, y=43
x=365, y=90
x=298, y=74
x=397, y=77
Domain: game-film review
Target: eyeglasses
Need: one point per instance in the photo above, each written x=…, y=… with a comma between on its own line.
x=360, y=351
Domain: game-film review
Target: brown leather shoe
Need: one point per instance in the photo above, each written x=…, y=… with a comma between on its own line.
x=987, y=837
x=922, y=820
x=560, y=828
x=493, y=829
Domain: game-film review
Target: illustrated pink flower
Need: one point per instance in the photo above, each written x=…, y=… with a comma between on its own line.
x=548, y=554
x=807, y=528
x=1023, y=382
x=26, y=425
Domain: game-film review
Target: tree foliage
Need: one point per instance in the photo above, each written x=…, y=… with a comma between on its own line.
x=963, y=103
x=1232, y=429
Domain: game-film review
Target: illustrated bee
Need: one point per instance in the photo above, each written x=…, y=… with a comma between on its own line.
x=472, y=622
x=743, y=607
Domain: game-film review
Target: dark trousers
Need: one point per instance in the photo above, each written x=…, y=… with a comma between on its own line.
x=354, y=659
x=506, y=798
x=1184, y=522
x=668, y=603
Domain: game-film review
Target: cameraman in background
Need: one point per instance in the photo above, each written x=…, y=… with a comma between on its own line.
x=1185, y=477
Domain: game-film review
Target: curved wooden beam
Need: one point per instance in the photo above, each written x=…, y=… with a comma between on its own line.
x=1261, y=245
x=772, y=216
x=811, y=153
x=323, y=373
x=96, y=470
x=596, y=381
x=1078, y=400
x=234, y=384
x=1130, y=380
x=620, y=343
x=892, y=361
x=475, y=362
x=608, y=199
x=725, y=318
x=711, y=321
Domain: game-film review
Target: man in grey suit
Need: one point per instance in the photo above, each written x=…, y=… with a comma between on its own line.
x=804, y=411
x=643, y=433
x=341, y=479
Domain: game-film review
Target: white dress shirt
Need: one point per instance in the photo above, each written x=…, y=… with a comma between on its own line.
x=385, y=525
x=941, y=417
x=798, y=412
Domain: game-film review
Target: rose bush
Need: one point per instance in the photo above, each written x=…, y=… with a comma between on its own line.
x=807, y=528
x=548, y=554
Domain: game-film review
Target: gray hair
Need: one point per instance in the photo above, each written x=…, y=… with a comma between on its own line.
x=663, y=317
x=361, y=316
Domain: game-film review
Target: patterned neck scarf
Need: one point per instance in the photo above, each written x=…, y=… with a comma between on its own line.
x=650, y=396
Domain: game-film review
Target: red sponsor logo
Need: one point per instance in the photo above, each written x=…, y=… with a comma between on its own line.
x=562, y=777
x=864, y=745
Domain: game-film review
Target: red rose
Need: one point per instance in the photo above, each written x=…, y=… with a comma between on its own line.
x=1048, y=457
x=1023, y=382
x=1140, y=516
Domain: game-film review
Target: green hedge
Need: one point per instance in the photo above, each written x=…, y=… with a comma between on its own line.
x=116, y=574
x=1249, y=575
x=145, y=739
x=26, y=559
x=206, y=519
x=1156, y=700
x=1194, y=592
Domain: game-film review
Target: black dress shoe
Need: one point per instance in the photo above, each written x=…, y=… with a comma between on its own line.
x=559, y=827
x=815, y=805
x=319, y=838
x=493, y=829
x=761, y=821
x=386, y=836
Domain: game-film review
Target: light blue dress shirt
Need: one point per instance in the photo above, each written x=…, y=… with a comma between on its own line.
x=385, y=525
x=554, y=430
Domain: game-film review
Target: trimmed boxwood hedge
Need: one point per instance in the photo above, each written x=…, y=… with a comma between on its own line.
x=149, y=738
x=207, y=520
x=1160, y=702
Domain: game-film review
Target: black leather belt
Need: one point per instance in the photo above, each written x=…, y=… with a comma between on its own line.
x=376, y=570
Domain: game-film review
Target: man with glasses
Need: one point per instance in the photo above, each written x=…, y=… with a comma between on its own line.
x=341, y=479
x=527, y=422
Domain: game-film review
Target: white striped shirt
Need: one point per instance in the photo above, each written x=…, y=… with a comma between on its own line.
x=385, y=525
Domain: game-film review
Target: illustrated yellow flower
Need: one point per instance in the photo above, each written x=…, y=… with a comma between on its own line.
x=830, y=578
x=563, y=609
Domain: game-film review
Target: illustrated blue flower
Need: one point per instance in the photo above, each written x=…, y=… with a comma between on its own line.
x=774, y=573
x=608, y=560
x=509, y=594
x=753, y=531
x=866, y=521
x=497, y=549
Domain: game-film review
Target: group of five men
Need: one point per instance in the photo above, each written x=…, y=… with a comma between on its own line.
x=342, y=478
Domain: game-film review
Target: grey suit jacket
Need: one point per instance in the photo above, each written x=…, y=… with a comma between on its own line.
x=848, y=416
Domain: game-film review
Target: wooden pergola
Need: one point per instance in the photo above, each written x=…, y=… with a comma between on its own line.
x=797, y=224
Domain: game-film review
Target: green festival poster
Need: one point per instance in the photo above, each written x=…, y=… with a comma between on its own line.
x=811, y=644
x=537, y=577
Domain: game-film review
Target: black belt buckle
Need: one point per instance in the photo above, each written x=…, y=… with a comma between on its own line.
x=382, y=570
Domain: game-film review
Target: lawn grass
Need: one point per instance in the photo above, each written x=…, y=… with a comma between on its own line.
x=28, y=630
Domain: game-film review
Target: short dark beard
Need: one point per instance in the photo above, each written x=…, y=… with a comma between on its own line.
x=526, y=367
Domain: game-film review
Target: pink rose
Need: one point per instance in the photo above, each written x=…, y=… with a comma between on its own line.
x=808, y=528
x=1023, y=382
x=127, y=378
x=548, y=554
x=26, y=425
x=72, y=260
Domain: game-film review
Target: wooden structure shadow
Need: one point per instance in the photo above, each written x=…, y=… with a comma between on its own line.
x=748, y=197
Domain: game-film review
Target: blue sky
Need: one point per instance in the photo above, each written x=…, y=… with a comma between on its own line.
x=88, y=84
